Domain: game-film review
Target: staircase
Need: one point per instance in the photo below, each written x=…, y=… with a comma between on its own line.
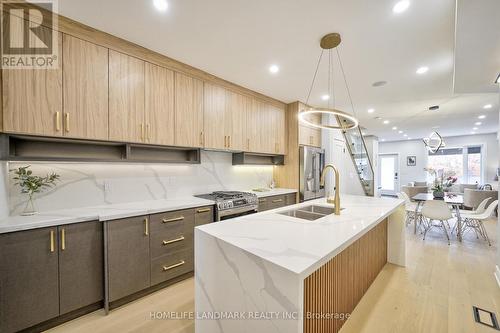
x=359, y=155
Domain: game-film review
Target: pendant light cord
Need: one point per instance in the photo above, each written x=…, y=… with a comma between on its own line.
x=314, y=77
x=345, y=81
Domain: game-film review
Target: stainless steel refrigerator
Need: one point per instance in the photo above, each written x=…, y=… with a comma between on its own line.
x=312, y=162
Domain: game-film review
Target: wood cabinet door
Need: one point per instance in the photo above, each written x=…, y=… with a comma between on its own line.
x=128, y=256
x=85, y=89
x=32, y=98
x=253, y=128
x=29, y=288
x=81, y=263
x=278, y=128
x=126, y=98
x=216, y=121
x=267, y=142
x=159, y=85
x=237, y=108
x=188, y=111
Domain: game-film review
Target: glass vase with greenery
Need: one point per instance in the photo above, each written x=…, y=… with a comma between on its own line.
x=31, y=184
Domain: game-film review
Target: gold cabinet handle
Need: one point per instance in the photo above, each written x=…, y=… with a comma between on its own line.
x=173, y=240
x=203, y=210
x=229, y=141
x=146, y=226
x=248, y=144
x=225, y=141
x=277, y=200
x=262, y=200
x=63, y=239
x=180, y=218
x=142, y=132
x=58, y=121
x=52, y=241
x=180, y=263
x=148, y=132
x=201, y=138
x=66, y=121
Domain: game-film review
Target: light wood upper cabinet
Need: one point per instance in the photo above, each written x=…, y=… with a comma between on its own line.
x=308, y=135
x=278, y=131
x=126, y=98
x=237, y=108
x=253, y=127
x=215, y=116
x=159, y=99
x=32, y=98
x=271, y=128
x=85, y=89
x=188, y=111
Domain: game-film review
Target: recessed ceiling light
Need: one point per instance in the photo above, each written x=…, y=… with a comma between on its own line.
x=409, y=138
x=405, y=135
x=478, y=123
x=481, y=116
x=400, y=132
x=472, y=132
x=325, y=97
x=401, y=6
x=474, y=128
x=371, y=110
x=394, y=128
x=386, y=122
x=363, y=133
x=422, y=70
x=160, y=5
x=274, y=69
x=382, y=140
x=487, y=106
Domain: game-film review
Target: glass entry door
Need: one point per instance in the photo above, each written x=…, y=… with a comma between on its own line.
x=389, y=174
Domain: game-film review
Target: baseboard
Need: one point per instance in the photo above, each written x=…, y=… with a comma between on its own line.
x=497, y=275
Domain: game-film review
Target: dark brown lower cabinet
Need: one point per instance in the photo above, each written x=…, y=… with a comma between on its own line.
x=81, y=265
x=277, y=201
x=49, y=272
x=128, y=256
x=29, y=285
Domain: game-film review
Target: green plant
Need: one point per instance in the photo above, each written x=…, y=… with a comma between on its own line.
x=31, y=184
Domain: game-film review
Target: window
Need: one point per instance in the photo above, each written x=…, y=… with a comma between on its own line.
x=466, y=162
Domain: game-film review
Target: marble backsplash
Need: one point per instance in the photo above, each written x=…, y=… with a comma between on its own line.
x=88, y=184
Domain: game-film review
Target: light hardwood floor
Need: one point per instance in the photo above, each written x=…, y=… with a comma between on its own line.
x=434, y=293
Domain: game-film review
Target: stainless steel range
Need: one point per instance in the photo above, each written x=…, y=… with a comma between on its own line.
x=231, y=204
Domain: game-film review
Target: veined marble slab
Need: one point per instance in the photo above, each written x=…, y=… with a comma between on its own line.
x=302, y=246
x=250, y=271
x=101, y=213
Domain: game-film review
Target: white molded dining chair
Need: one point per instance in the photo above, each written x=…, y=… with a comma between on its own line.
x=475, y=221
x=480, y=209
x=410, y=207
x=436, y=210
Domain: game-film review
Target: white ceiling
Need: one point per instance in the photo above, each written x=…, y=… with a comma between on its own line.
x=239, y=39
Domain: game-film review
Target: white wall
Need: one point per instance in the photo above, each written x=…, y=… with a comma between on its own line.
x=88, y=184
x=417, y=148
x=331, y=140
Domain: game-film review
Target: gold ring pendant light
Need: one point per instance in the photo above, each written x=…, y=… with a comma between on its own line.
x=346, y=120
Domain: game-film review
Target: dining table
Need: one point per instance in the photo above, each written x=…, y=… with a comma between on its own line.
x=454, y=200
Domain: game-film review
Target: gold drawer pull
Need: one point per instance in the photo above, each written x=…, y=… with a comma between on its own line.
x=146, y=227
x=203, y=210
x=180, y=218
x=173, y=240
x=201, y=138
x=63, y=239
x=262, y=200
x=277, y=200
x=52, y=243
x=180, y=263
x=58, y=121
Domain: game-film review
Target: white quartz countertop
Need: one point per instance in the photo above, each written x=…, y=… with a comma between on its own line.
x=111, y=212
x=101, y=213
x=302, y=246
x=274, y=191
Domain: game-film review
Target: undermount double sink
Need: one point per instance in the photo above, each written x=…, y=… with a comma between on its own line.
x=310, y=213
